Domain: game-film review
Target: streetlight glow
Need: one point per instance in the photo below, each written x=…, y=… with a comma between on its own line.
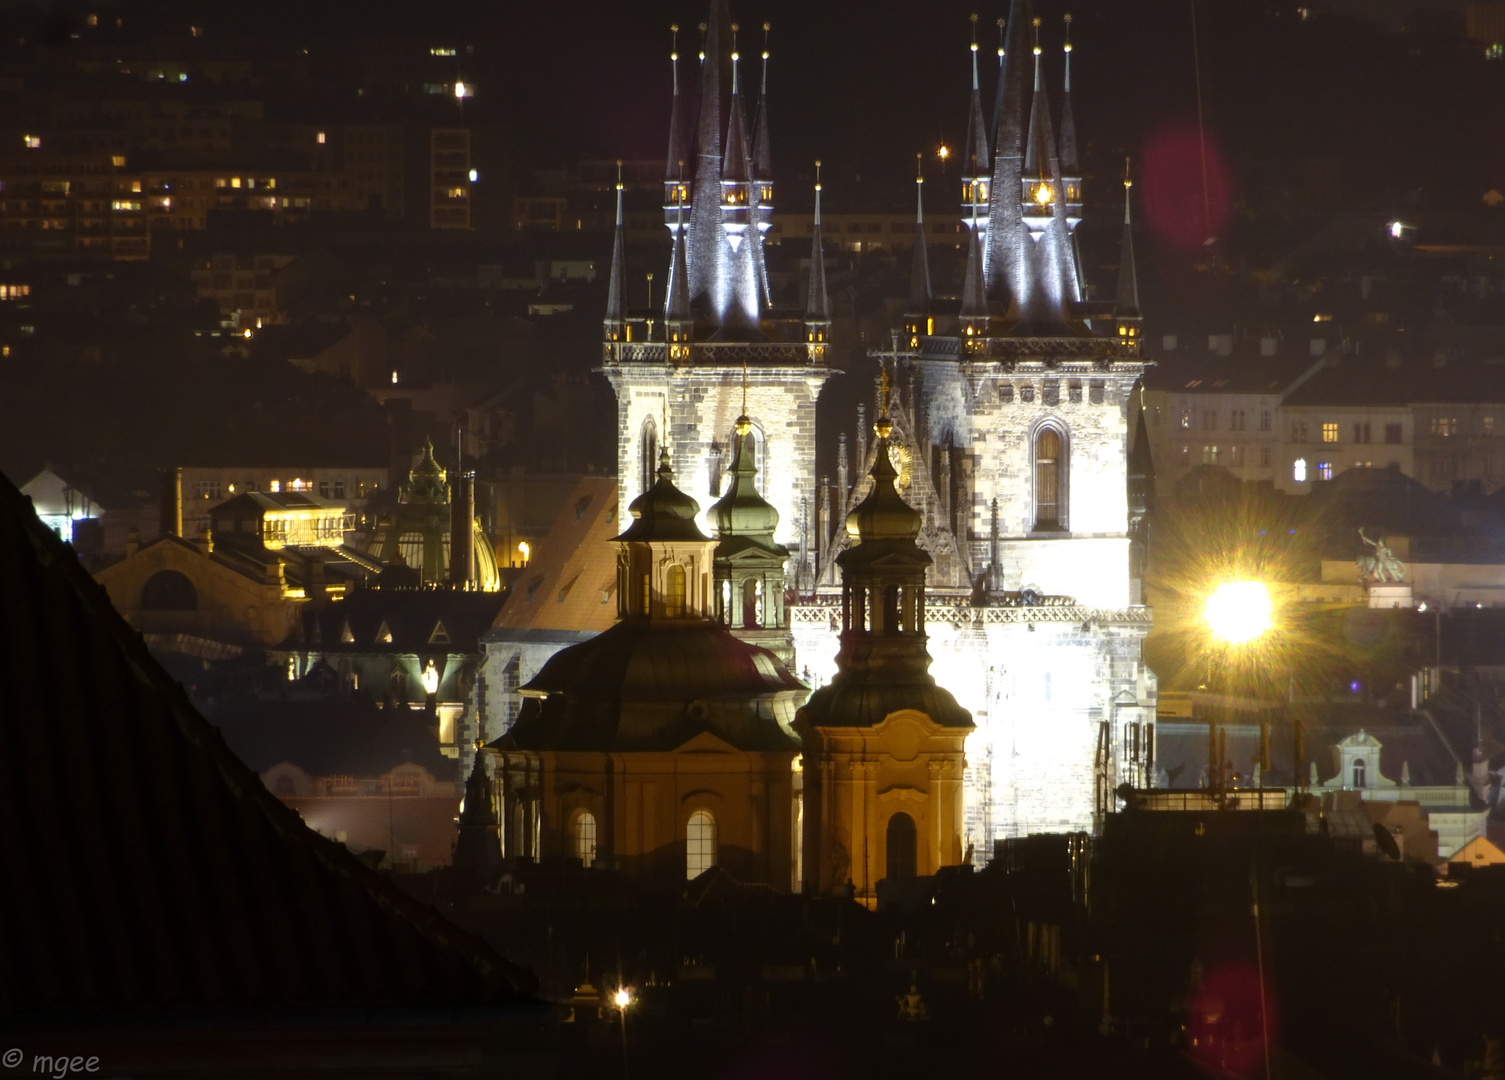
x=623, y=998
x=1239, y=611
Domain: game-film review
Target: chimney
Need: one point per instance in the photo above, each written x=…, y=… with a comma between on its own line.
x=462, y=530
x=172, y=502
x=314, y=589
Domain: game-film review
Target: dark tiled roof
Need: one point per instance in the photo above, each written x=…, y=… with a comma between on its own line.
x=1358, y=381
x=654, y=686
x=146, y=867
x=410, y=615
x=1183, y=372
x=339, y=737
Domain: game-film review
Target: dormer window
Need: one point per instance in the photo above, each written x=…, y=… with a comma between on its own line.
x=1360, y=773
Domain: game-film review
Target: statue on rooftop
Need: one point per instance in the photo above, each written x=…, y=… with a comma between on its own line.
x=1382, y=566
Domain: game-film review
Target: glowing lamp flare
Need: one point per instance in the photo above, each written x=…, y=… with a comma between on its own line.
x=1239, y=611
x=623, y=998
x=430, y=679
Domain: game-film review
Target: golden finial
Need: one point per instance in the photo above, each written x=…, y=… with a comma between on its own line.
x=619, y=174
x=881, y=425
x=1068, y=31
x=744, y=423
x=973, y=18
x=674, y=38
x=919, y=168
x=1128, y=177
x=702, y=43
x=1037, y=35
x=480, y=744
x=1000, y=39
x=766, y=28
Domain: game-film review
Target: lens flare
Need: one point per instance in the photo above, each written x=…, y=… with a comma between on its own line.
x=1239, y=611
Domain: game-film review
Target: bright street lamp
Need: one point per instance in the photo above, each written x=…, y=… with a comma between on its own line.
x=623, y=998
x=1239, y=611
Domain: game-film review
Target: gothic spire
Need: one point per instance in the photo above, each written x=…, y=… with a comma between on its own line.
x=919, y=267
x=975, y=150
x=679, y=148
x=817, y=305
x=1071, y=166
x=1006, y=266
x=677, y=321
x=616, y=292
x=974, y=309
x=706, y=242
x=762, y=156
x=1126, y=305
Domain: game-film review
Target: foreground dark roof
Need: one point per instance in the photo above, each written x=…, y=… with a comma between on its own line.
x=147, y=868
x=351, y=736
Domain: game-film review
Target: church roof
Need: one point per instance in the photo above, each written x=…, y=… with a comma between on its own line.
x=645, y=686
x=742, y=512
x=864, y=703
x=883, y=515
x=572, y=579
x=147, y=867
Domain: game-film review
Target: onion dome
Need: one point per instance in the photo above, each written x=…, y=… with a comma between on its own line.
x=663, y=512
x=742, y=511
x=426, y=481
x=883, y=515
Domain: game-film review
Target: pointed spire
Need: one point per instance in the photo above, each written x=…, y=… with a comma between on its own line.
x=677, y=320
x=706, y=245
x=762, y=157
x=1007, y=268
x=919, y=268
x=817, y=305
x=1071, y=166
x=616, y=294
x=974, y=309
x=1126, y=306
x=975, y=159
x=675, y=193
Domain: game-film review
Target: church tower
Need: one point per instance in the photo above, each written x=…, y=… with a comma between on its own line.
x=883, y=744
x=676, y=376
x=748, y=568
x=1012, y=435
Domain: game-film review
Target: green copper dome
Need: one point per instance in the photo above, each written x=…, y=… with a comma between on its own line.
x=883, y=515
x=663, y=512
x=742, y=511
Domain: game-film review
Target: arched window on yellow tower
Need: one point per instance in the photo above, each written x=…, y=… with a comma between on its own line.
x=1050, y=479
x=900, y=847
x=674, y=596
x=700, y=844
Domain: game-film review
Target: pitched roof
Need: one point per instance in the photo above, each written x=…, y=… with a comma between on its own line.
x=147, y=867
x=574, y=567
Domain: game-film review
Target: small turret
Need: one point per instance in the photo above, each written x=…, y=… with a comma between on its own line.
x=615, y=322
x=974, y=309
x=676, y=190
x=1126, y=314
x=736, y=180
x=976, y=169
x=1071, y=166
x=678, y=323
x=1038, y=189
x=917, y=318
x=664, y=568
x=762, y=155
x=817, y=304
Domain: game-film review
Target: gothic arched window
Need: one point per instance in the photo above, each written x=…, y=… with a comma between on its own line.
x=901, y=854
x=1360, y=772
x=700, y=844
x=1050, y=479
x=648, y=463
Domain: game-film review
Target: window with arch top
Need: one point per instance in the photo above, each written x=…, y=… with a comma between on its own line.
x=901, y=847
x=700, y=844
x=674, y=594
x=585, y=838
x=1360, y=772
x=648, y=464
x=1050, y=478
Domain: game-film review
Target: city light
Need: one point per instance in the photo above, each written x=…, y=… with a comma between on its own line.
x=525, y=550
x=462, y=90
x=1397, y=229
x=430, y=680
x=943, y=152
x=1239, y=611
x=623, y=997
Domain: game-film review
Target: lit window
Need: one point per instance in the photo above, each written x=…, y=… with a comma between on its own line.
x=320, y=138
x=118, y=161
x=275, y=486
x=33, y=142
x=462, y=90
x=1209, y=455
x=1329, y=432
x=674, y=598
x=585, y=838
x=1186, y=418
x=235, y=181
x=1324, y=470
x=1298, y=470
x=700, y=844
